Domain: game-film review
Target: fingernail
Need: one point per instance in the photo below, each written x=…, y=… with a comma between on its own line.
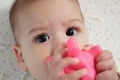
x=76, y=60
x=85, y=70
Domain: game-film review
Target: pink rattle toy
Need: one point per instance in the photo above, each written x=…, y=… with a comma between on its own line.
x=86, y=59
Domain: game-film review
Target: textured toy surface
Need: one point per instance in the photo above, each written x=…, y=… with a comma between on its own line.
x=86, y=59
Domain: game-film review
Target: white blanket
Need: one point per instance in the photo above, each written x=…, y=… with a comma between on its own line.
x=102, y=19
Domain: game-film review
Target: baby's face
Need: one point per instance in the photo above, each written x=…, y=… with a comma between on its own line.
x=45, y=28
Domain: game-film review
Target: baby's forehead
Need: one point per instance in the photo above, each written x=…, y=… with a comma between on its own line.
x=31, y=11
x=23, y=5
x=19, y=12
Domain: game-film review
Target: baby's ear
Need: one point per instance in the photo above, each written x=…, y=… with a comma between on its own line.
x=18, y=52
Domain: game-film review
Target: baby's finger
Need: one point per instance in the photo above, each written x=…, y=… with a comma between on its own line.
x=87, y=47
x=103, y=56
x=57, y=56
x=58, y=67
x=107, y=75
x=76, y=75
x=105, y=65
x=66, y=62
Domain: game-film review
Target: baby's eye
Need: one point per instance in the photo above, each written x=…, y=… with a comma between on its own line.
x=42, y=38
x=71, y=31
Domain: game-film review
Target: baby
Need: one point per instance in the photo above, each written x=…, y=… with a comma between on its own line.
x=41, y=28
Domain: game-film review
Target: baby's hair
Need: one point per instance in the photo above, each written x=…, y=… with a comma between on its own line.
x=19, y=6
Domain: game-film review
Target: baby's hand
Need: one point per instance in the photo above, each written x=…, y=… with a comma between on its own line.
x=105, y=66
x=56, y=68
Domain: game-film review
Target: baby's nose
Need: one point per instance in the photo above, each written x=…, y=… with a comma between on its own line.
x=59, y=45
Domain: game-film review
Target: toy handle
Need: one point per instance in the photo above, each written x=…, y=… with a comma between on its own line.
x=95, y=51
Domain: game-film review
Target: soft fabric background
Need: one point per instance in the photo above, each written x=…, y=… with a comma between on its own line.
x=102, y=20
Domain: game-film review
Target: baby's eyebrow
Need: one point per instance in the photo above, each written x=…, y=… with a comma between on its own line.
x=74, y=20
x=45, y=27
x=37, y=29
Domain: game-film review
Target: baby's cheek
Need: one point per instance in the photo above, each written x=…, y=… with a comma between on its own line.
x=82, y=43
x=82, y=40
x=37, y=66
x=40, y=52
